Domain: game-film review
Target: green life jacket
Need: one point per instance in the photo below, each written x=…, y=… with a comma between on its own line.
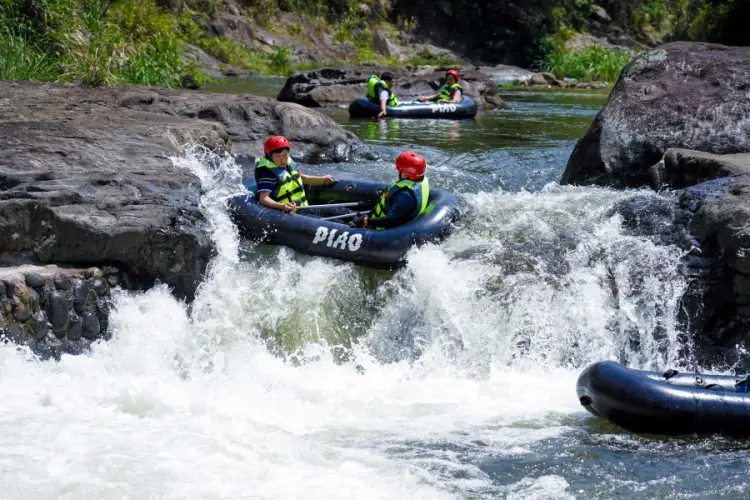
x=421, y=190
x=374, y=86
x=289, y=187
x=448, y=91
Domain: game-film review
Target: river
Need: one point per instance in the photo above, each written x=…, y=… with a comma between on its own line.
x=296, y=377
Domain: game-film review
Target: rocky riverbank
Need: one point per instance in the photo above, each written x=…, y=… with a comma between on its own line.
x=677, y=120
x=86, y=180
x=55, y=310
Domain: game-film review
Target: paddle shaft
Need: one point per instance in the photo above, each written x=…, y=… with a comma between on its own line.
x=344, y=216
x=332, y=205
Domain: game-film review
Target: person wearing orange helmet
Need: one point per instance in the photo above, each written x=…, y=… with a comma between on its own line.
x=407, y=198
x=450, y=92
x=280, y=183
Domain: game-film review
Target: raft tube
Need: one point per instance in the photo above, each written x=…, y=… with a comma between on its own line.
x=384, y=249
x=467, y=108
x=670, y=403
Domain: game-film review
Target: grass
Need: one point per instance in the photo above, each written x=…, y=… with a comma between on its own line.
x=21, y=60
x=593, y=63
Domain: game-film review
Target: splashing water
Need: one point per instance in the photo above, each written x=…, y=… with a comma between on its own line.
x=401, y=385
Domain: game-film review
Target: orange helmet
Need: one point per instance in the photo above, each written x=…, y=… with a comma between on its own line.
x=276, y=142
x=411, y=164
x=454, y=73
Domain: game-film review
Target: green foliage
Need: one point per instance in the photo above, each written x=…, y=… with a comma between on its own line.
x=103, y=42
x=590, y=63
x=97, y=42
x=651, y=14
x=156, y=62
x=21, y=60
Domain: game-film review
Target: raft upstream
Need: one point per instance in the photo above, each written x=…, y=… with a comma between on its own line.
x=334, y=238
x=467, y=108
x=670, y=403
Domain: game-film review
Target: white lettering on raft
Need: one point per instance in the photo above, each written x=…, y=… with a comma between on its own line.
x=443, y=108
x=345, y=240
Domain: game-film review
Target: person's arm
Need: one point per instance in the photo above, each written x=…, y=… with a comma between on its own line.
x=383, y=96
x=456, y=96
x=428, y=98
x=315, y=179
x=264, y=198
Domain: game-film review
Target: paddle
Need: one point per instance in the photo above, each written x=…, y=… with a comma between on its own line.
x=334, y=205
x=344, y=216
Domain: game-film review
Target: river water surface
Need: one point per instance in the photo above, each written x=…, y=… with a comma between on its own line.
x=294, y=377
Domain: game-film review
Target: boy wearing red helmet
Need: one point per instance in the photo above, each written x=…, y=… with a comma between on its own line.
x=280, y=184
x=405, y=199
x=450, y=92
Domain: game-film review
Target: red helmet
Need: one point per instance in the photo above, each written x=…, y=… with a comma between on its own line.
x=454, y=73
x=276, y=142
x=411, y=164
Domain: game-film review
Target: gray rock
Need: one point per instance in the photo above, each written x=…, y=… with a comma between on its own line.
x=14, y=332
x=545, y=79
x=725, y=224
x=99, y=286
x=93, y=272
x=2, y=290
x=45, y=294
x=679, y=95
x=714, y=305
x=681, y=168
x=22, y=312
x=503, y=73
x=384, y=46
x=58, y=313
x=35, y=280
x=599, y=14
x=80, y=293
x=41, y=326
x=62, y=281
x=207, y=64
x=91, y=326
x=33, y=299
x=102, y=313
x=10, y=287
x=75, y=327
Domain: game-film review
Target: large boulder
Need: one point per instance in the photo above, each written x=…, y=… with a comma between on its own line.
x=680, y=95
x=86, y=179
x=342, y=85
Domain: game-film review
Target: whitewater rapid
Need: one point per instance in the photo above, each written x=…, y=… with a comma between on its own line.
x=295, y=377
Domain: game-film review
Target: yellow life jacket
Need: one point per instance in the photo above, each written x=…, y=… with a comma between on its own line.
x=374, y=86
x=289, y=187
x=421, y=190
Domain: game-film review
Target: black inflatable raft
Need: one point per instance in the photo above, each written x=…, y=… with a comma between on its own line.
x=308, y=234
x=665, y=403
x=467, y=108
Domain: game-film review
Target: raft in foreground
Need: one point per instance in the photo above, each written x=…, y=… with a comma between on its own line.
x=671, y=403
x=467, y=108
x=384, y=249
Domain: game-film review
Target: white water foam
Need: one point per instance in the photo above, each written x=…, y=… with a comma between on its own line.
x=189, y=402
